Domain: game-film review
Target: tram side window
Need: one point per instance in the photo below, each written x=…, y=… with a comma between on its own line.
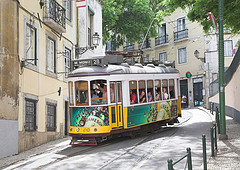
x=158, y=94
x=150, y=94
x=171, y=89
x=165, y=89
x=112, y=92
x=142, y=91
x=81, y=92
x=98, y=92
x=70, y=90
x=119, y=89
x=133, y=92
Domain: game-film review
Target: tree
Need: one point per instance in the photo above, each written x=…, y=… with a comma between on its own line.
x=130, y=19
x=198, y=11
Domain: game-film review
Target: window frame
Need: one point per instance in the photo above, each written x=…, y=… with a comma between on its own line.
x=141, y=91
x=163, y=52
x=54, y=58
x=160, y=89
x=33, y=38
x=75, y=93
x=66, y=57
x=227, y=50
x=186, y=58
x=68, y=10
x=136, y=91
x=71, y=93
x=152, y=90
x=34, y=115
x=182, y=26
x=174, y=91
x=51, y=128
x=167, y=88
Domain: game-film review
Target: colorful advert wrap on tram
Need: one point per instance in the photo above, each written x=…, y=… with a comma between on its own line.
x=144, y=114
x=90, y=117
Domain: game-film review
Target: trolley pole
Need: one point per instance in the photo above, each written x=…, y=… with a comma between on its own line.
x=222, y=135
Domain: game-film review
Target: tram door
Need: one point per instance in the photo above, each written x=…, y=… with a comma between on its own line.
x=116, y=100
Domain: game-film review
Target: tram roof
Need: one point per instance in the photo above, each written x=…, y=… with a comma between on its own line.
x=121, y=68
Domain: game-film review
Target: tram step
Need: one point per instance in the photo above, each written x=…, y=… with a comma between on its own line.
x=83, y=141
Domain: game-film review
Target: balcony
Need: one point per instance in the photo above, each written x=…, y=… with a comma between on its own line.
x=146, y=44
x=179, y=35
x=129, y=47
x=163, y=39
x=54, y=15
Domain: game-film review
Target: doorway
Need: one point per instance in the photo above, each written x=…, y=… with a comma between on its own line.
x=197, y=94
x=184, y=90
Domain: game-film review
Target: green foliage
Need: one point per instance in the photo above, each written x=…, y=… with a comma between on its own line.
x=198, y=11
x=130, y=18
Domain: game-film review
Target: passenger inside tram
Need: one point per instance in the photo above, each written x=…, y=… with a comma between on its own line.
x=142, y=97
x=99, y=90
x=165, y=94
x=132, y=97
x=150, y=98
x=171, y=92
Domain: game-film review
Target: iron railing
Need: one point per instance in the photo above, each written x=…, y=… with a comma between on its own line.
x=129, y=47
x=146, y=44
x=54, y=11
x=180, y=35
x=188, y=162
x=163, y=39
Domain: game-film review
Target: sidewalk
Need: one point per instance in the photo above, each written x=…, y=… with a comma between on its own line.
x=47, y=147
x=228, y=155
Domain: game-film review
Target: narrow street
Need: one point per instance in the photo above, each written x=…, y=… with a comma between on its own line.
x=145, y=152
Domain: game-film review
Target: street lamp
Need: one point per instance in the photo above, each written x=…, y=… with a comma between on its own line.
x=95, y=42
x=96, y=39
x=197, y=54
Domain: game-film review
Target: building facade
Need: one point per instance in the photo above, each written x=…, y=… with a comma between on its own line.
x=38, y=42
x=9, y=75
x=191, y=51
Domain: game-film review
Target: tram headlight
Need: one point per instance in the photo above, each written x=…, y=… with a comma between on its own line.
x=82, y=123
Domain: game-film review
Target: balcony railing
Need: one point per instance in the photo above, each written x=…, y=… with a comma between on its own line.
x=55, y=15
x=146, y=44
x=129, y=47
x=163, y=39
x=180, y=35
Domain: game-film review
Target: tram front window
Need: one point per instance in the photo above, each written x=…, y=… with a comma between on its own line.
x=98, y=92
x=81, y=92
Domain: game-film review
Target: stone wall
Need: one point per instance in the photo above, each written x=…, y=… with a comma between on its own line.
x=9, y=77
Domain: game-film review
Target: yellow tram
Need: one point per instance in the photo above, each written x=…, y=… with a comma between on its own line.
x=108, y=97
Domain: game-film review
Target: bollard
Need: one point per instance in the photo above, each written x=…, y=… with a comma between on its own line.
x=204, y=152
x=217, y=120
x=170, y=164
x=212, y=142
x=215, y=135
x=189, y=159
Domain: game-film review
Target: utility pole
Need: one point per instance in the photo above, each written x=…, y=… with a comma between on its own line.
x=222, y=135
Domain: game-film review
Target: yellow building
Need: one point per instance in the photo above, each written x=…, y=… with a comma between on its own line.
x=47, y=36
x=37, y=42
x=184, y=44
